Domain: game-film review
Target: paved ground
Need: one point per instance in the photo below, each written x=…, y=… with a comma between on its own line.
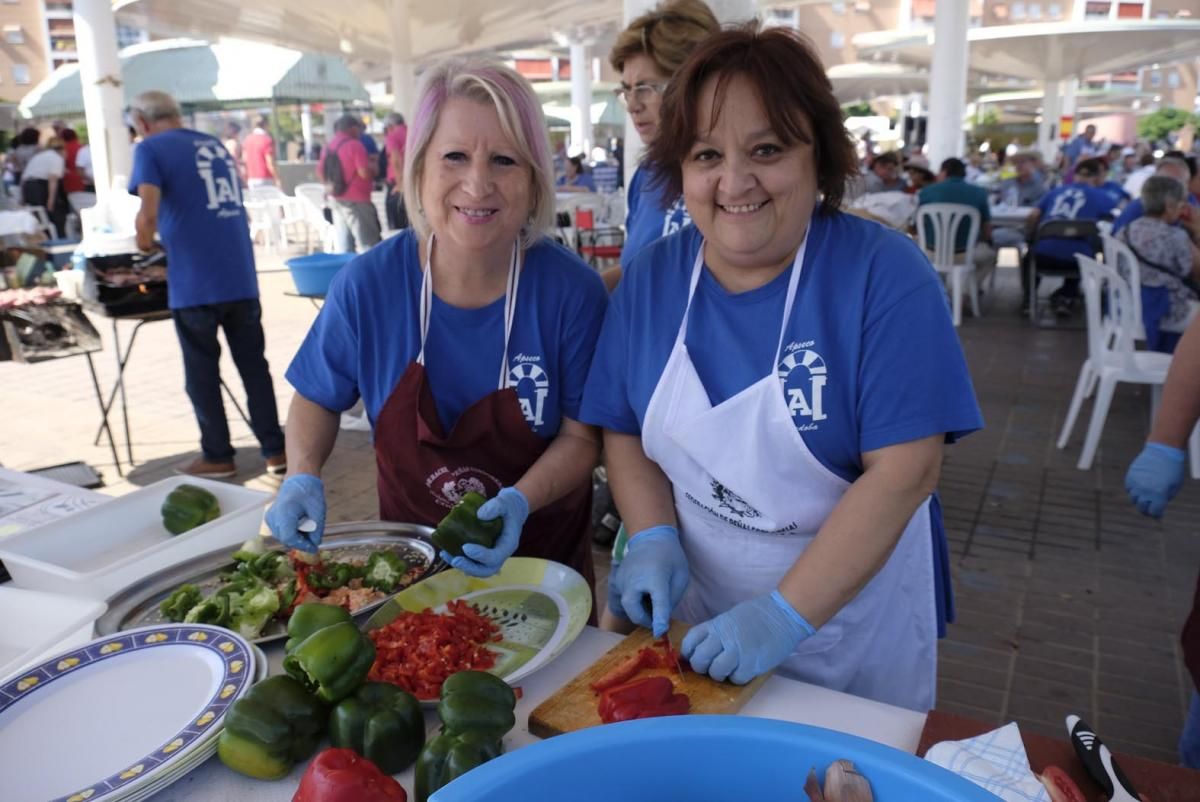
x=1068, y=600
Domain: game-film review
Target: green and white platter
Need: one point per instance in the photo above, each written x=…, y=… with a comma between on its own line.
x=539, y=605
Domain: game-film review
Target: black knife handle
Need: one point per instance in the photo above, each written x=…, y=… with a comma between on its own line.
x=1087, y=746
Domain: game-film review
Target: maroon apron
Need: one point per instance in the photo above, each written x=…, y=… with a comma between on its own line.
x=423, y=471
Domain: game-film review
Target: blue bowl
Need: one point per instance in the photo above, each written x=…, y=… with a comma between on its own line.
x=313, y=273
x=700, y=759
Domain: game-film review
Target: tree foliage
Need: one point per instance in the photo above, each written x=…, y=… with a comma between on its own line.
x=1159, y=124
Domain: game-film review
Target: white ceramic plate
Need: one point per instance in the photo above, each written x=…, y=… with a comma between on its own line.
x=101, y=722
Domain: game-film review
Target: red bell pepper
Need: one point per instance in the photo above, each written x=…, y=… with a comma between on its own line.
x=340, y=775
x=644, y=698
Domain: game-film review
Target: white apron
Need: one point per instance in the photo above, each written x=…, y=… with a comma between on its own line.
x=750, y=497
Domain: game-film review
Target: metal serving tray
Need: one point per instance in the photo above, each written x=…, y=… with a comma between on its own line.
x=137, y=605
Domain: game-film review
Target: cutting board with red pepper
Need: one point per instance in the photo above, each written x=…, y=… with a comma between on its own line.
x=576, y=705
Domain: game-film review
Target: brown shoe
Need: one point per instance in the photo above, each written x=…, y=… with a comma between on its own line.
x=208, y=470
x=277, y=465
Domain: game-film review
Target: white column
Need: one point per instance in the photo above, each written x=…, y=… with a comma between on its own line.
x=306, y=133
x=1048, y=130
x=103, y=95
x=1067, y=90
x=948, y=82
x=581, y=98
x=633, y=142
x=728, y=11
x=404, y=82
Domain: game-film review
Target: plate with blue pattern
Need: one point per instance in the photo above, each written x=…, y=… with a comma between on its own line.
x=102, y=721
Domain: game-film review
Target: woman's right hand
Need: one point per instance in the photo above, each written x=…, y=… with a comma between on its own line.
x=656, y=567
x=301, y=496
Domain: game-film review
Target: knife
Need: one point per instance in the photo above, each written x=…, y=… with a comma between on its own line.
x=1099, y=762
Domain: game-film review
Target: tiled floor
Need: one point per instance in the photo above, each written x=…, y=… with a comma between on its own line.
x=1068, y=600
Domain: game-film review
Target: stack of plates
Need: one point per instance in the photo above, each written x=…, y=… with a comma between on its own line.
x=122, y=717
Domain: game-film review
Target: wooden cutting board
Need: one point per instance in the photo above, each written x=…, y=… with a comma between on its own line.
x=573, y=706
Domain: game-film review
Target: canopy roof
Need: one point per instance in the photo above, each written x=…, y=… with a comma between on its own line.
x=201, y=75
x=866, y=80
x=1050, y=51
x=362, y=32
x=1088, y=101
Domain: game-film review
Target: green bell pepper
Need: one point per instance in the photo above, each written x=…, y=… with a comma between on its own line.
x=449, y=756
x=274, y=726
x=381, y=722
x=332, y=662
x=476, y=701
x=187, y=507
x=462, y=525
x=308, y=618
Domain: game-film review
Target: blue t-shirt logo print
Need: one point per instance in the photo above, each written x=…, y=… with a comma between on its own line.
x=532, y=385
x=223, y=189
x=804, y=401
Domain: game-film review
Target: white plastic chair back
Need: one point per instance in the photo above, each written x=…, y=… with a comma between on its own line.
x=263, y=193
x=44, y=223
x=1110, y=320
x=945, y=219
x=1118, y=255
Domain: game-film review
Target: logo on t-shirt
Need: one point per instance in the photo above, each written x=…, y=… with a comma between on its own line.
x=532, y=384
x=731, y=502
x=219, y=174
x=1067, y=205
x=802, y=373
x=677, y=217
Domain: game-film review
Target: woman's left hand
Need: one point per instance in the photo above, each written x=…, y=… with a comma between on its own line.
x=512, y=507
x=741, y=643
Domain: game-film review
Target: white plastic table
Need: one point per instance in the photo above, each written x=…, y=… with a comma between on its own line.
x=778, y=698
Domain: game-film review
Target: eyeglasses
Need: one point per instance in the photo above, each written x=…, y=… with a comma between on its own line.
x=640, y=93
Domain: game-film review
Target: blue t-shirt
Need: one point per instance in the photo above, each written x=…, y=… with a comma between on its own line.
x=1115, y=191
x=873, y=357
x=582, y=180
x=210, y=258
x=1072, y=202
x=368, y=333
x=650, y=215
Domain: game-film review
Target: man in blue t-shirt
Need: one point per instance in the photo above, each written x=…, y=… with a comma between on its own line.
x=1081, y=200
x=188, y=184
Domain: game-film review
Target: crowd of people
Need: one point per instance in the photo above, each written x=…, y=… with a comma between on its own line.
x=1107, y=184
x=51, y=170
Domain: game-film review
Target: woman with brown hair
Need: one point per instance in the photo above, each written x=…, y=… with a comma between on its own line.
x=776, y=384
x=647, y=54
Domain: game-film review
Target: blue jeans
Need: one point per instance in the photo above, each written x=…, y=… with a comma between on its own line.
x=1189, y=742
x=197, y=327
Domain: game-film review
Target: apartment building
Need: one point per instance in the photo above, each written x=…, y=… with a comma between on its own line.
x=38, y=36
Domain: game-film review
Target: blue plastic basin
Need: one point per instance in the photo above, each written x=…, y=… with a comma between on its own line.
x=700, y=759
x=313, y=273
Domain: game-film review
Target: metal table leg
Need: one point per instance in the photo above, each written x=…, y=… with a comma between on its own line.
x=119, y=385
x=104, y=427
x=233, y=400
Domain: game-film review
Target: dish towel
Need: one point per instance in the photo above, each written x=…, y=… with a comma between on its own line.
x=995, y=761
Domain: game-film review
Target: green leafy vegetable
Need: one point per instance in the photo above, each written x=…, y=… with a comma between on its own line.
x=176, y=606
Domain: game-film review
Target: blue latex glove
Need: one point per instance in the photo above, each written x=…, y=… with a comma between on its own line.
x=301, y=495
x=614, y=592
x=753, y=637
x=654, y=566
x=509, y=504
x=1155, y=477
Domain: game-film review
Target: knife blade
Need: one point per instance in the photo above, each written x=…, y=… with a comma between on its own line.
x=1099, y=762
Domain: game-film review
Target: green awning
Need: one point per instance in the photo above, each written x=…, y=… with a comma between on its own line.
x=208, y=76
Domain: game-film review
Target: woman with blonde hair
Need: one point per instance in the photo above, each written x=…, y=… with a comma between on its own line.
x=468, y=338
x=648, y=54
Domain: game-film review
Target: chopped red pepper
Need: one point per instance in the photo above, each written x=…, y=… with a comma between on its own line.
x=624, y=671
x=340, y=775
x=644, y=698
x=418, y=651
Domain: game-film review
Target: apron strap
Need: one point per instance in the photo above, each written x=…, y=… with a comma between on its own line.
x=793, y=284
x=510, y=303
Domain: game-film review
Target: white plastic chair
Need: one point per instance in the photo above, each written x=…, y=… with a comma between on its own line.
x=1118, y=256
x=1111, y=355
x=312, y=195
x=944, y=219
x=46, y=226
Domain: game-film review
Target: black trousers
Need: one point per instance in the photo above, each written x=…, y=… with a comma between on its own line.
x=397, y=217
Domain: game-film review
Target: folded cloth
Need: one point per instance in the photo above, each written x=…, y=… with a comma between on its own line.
x=995, y=761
